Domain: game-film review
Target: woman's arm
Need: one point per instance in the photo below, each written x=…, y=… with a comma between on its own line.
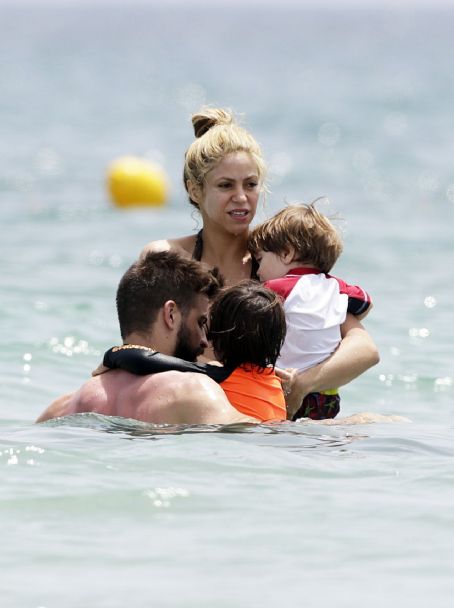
x=183, y=245
x=356, y=354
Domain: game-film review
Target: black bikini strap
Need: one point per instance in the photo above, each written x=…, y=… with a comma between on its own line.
x=198, y=247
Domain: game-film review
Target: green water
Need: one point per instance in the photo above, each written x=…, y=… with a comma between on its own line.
x=355, y=106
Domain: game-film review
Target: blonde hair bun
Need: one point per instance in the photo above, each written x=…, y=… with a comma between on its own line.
x=207, y=118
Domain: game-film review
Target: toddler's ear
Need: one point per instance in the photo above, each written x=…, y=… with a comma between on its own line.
x=288, y=255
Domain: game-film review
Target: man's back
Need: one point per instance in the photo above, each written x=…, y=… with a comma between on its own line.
x=165, y=398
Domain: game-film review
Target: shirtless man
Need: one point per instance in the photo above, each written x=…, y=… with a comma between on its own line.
x=162, y=303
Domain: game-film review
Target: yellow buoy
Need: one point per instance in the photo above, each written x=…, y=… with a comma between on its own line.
x=136, y=182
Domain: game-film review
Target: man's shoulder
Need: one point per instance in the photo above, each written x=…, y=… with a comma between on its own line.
x=57, y=408
x=191, y=398
x=119, y=380
x=173, y=380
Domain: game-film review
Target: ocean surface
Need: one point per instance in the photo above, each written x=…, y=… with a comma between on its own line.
x=356, y=106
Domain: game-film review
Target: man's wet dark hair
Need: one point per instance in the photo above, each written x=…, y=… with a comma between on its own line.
x=154, y=279
x=247, y=325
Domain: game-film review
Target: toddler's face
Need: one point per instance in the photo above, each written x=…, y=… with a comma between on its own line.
x=271, y=265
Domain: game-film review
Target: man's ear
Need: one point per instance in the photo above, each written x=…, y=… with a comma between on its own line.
x=194, y=190
x=288, y=255
x=170, y=313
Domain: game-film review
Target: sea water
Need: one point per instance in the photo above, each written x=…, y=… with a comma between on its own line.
x=355, y=106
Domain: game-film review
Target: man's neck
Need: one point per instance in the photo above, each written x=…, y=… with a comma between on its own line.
x=141, y=341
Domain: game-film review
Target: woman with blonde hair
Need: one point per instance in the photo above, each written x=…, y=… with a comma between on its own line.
x=224, y=175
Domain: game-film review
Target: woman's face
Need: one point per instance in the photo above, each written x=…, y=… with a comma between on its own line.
x=230, y=193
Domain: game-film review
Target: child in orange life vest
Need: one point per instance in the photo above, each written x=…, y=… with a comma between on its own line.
x=296, y=250
x=247, y=330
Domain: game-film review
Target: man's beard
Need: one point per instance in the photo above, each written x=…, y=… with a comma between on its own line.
x=183, y=349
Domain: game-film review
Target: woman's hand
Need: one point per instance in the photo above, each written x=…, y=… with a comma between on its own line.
x=287, y=378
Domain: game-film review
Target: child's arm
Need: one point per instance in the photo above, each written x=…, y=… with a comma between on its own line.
x=364, y=314
x=355, y=354
x=359, y=301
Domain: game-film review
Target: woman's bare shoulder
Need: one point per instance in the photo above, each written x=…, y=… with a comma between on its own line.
x=183, y=245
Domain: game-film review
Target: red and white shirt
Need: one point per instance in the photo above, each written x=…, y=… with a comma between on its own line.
x=315, y=305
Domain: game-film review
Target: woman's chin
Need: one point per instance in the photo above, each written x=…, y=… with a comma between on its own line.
x=239, y=229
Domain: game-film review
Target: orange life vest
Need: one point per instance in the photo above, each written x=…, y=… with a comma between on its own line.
x=256, y=393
